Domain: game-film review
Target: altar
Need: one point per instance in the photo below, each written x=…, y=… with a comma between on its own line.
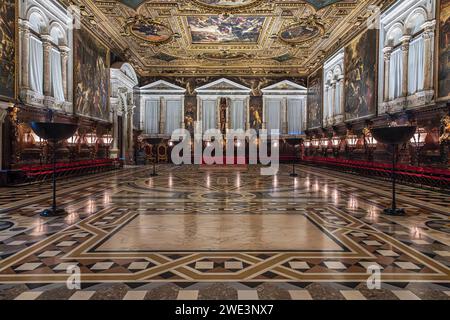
x=223, y=104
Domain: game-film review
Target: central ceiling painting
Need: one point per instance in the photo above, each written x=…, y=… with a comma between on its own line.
x=225, y=29
x=188, y=38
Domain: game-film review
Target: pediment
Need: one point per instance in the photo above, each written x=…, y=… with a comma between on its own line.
x=162, y=86
x=284, y=86
x=223, y=85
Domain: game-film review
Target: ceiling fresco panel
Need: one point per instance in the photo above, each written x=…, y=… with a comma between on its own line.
x=225, y=29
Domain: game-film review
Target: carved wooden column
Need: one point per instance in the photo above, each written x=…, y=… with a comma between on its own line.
x=284, y=124
x=47, y=48
x=405, y=56
x=162, y=115
x=3, y=113
x=218, y=114
x=24, y=31
x=387, y=64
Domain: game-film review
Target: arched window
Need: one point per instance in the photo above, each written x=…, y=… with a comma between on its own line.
x=329, y=92
x=36, y=53
x=57, y=38
x=396, y=63
x=333, y=89
x=295, y=108
x=338, y=76
x=416, y=71
x=152, y=116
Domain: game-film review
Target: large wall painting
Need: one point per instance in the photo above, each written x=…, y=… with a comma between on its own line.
x=225, y=29
x=360, y=76
x=315, y=100
x=7, y=50
x=444, y=50
x=91, y=76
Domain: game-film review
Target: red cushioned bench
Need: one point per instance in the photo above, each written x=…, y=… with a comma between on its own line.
x=435, y=177
x=35, y=172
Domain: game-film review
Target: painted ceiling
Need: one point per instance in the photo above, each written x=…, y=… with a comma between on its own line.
x=220, y=37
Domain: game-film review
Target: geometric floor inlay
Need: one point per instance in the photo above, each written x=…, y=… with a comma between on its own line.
x=224, y=234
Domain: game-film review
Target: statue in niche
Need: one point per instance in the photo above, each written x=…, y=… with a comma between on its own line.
x=445, y=137
x=223, y=115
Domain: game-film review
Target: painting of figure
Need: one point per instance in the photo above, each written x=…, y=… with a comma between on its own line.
x=152, y=32
x=226, y=3
x=190, y=113
x=299, y=33
x=256, y=113
x=360, y=76
x=444, y=50
x=91, y=76
x=315, y=94
x=7, y=49
x=225, y=29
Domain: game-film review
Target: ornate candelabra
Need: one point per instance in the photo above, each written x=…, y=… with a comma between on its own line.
x=53, y=132
x=393, y=136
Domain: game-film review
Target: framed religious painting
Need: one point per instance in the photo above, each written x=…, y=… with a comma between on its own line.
x=90, y=76
x=8, y=50
x=443, y=52
x=360, y=86
x=315, y=100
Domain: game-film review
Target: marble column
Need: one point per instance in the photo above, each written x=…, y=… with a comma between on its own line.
x=264, y=114
x=228, y=113
x=24, y=31
x=47, y=48
x=199, y=110
x=326, y=102
x=64, y=71
x=124, y=132
x=428, y=35
x=341, y=95
x=387, y=64
x=333, y=102
x=405, y=56
x=247, y=113
x=114, y=152
x=142, y=114
x=130, y=111
x=182, y=113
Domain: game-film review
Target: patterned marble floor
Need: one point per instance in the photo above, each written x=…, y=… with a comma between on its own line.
x=224, y=233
